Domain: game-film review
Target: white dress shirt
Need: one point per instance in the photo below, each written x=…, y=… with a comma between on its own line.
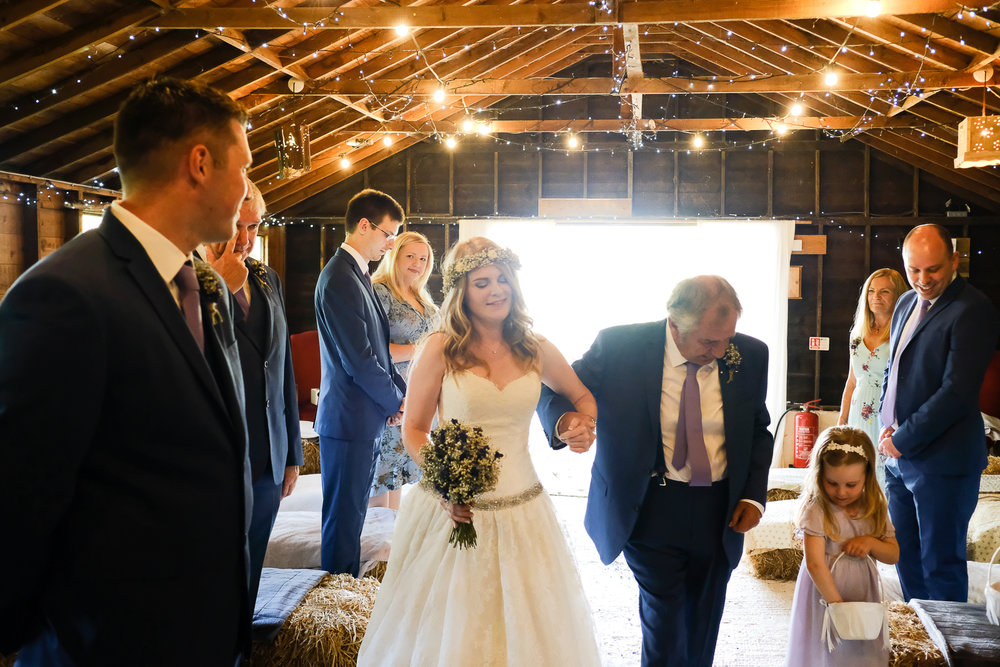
x=361, y=261
x=166, y=257
x=713, y=422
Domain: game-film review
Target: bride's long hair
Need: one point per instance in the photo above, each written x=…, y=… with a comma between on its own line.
x=457, y=326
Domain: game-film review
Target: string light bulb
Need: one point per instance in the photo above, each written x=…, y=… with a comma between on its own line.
x=874, y=8
x=451, y=142
x=439, y=95
x=796, y=109
x=387, y=141
x=468, y=126
x=483, y=129
x=572, y=141
x=402, y=30
x=344, y=162
x=781, y=129
x=830, y=78
x=698, y=141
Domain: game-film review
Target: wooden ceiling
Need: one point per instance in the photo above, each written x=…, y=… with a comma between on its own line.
x=544, y=70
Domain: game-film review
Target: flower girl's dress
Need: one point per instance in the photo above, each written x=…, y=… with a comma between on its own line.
x=516, y=598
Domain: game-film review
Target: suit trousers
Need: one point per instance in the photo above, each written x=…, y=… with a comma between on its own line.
x=676, y=555
x=931, y=515
x=348, y=468
x=266, y=498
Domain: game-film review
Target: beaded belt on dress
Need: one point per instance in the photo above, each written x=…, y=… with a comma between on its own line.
x=495, y=503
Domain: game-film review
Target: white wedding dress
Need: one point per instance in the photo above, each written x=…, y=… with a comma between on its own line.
x=516, y=598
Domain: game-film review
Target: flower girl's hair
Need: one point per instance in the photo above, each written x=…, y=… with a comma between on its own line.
x=455, y=323
x=837, y=446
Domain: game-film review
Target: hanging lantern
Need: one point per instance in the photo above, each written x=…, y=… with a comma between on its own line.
x=979, y=136
x=292, y=143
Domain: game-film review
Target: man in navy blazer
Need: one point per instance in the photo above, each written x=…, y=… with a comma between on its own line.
x=125, y=502
x=944, y=333
x=272, y=409
x=681, y=539
x=360, y=390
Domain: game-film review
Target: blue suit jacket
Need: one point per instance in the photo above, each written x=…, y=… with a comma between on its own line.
x=125, y=452
x=268, y=364
x=359, y=387
x=940, y=374
x=624, y=371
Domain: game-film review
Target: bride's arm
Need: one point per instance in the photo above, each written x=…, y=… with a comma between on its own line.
x=422, y=392
x=577, y=428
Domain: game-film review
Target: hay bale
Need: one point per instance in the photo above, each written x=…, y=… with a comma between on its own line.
x=781, y=494
x=911, y=646
x=377, y=570
x=310, y=455
x=776, y=564
x=992, y=465
x=326, y=628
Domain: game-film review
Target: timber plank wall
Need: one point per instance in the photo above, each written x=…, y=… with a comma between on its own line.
x=866, y=203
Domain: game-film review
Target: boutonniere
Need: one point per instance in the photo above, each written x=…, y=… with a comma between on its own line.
x=259, y=271
x=208, y=280
x=732, y=358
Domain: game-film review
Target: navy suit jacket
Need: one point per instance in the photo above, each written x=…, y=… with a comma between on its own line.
x=267, y=364
x=359, y=387
x=126, y=498
x=624, y=371
x=940, y=374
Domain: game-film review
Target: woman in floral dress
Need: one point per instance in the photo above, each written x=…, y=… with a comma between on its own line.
x=400, y=283
x=860, y=404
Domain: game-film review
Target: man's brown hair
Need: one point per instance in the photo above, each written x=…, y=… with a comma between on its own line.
x=372, y=205
x=162, y=111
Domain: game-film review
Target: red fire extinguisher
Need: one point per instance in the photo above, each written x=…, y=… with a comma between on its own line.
x=806, y=430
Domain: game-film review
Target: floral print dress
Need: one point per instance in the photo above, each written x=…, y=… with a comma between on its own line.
x=869, y=372
x=407, y=326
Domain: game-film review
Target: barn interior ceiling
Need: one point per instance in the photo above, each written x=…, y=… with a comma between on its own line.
x=361, y=80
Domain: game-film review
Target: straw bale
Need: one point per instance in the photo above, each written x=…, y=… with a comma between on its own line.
x=911, y=646
x=310, y=454
x=777, y=564
x=992, y=466
x=326, y=628
x=378, y=570
x=781, y=494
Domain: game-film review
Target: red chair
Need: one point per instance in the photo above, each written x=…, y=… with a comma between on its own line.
x=305, y=363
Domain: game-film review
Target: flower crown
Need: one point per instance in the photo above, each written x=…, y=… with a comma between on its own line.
x=454, y=272
x=847, y=448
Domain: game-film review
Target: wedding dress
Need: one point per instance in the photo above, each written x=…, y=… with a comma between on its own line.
x=514, y=599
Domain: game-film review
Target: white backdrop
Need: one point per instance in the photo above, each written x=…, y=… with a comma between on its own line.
x=579, y=277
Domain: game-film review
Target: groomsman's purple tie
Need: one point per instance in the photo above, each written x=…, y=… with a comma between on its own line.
x=689, y=442
x=241, y=298
x=887, y=414
x=187, y=283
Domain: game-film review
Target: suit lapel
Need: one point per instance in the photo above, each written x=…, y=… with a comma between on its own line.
x=904, y=311
x=366, y=288
x=654, y=353
x=151, y=284
x=943, y=302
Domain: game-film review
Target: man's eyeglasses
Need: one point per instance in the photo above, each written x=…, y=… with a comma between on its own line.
x=388, y=236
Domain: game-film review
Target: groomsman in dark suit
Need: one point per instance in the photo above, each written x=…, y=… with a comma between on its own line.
x=360, y=390
x=272, y=409
x=680, y=471
x=126, y=499
x=944, y=333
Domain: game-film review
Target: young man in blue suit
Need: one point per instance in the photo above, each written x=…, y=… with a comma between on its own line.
x=675, y=497
x=125, y=506
x=272, y=409
x=360, y=390
x=944, y=333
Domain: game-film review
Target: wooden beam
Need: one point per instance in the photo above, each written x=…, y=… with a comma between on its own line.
x=17, y=13
x=794, y=83
x=633, y=64
x=530, y=15
x=25, y=63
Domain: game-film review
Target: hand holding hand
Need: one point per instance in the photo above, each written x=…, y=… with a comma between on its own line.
x=887, y=448
x=859, y=547
x=231, y=267
x=578, y=431
x=886, y=433
x=745, y=517
x=457, y=513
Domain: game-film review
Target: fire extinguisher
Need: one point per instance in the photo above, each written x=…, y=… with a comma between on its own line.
x=806, y=430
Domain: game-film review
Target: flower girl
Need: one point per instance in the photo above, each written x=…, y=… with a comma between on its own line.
x=843, y=512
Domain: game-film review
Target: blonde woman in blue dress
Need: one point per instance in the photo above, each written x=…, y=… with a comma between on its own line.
x=860, y=404
x=400, y=283
x=515, y=598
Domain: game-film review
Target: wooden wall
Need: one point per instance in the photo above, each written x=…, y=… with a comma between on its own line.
x=864, y=202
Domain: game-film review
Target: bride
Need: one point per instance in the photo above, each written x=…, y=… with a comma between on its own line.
x=516, y=598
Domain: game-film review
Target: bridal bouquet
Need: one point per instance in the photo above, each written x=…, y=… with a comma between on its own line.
x=459, y=464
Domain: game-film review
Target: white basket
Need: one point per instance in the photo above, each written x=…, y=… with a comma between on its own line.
x=993, y=593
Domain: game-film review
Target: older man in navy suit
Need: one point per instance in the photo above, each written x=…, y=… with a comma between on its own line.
x=272, y=410
x=682, y=455
x=944, y=332
x=126, y=495
x=360, y=390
